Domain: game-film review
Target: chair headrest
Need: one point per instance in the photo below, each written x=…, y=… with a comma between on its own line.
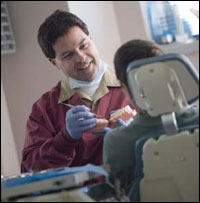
x=163, y=84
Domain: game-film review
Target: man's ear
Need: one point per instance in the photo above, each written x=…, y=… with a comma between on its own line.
x=53, y=61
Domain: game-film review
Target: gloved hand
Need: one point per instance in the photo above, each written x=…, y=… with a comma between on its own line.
x=79, y=119
x=121, y=122
x=103, y=133
x=114, y=111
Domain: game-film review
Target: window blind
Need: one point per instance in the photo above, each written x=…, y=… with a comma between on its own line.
x=7, y=39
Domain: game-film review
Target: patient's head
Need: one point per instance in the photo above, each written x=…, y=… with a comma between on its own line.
x=129, y=52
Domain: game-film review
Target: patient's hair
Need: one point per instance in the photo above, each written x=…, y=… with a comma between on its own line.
x=131, y=51
x=55, y=26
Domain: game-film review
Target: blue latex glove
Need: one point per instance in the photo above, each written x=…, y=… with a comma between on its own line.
x=78, y=120
x=114, y=111
x=121, y=122
x=103, y=133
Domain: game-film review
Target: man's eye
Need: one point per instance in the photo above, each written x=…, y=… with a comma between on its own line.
x=68, y=56
x=84, y=46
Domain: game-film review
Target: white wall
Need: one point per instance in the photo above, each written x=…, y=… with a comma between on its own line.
x=130, y=21
x=9, y=159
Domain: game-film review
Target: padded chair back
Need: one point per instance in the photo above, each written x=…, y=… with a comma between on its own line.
x=167, y=163
x=171, y=168
x=163, y=84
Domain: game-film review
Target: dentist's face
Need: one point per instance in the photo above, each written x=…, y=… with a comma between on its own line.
x=76, y=55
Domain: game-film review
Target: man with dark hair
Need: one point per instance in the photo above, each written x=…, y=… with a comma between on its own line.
x=56, y=134
x=118, y=149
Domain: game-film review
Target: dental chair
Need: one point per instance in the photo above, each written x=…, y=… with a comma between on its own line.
x=167, y=163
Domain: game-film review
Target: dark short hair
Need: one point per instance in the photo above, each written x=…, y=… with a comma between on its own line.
x=55, y=26
x=131, y=51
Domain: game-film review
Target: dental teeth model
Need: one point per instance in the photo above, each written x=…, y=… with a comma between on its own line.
x=125, y=114
x=101, y=124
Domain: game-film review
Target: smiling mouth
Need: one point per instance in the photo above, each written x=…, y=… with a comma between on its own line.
x=85, y=67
